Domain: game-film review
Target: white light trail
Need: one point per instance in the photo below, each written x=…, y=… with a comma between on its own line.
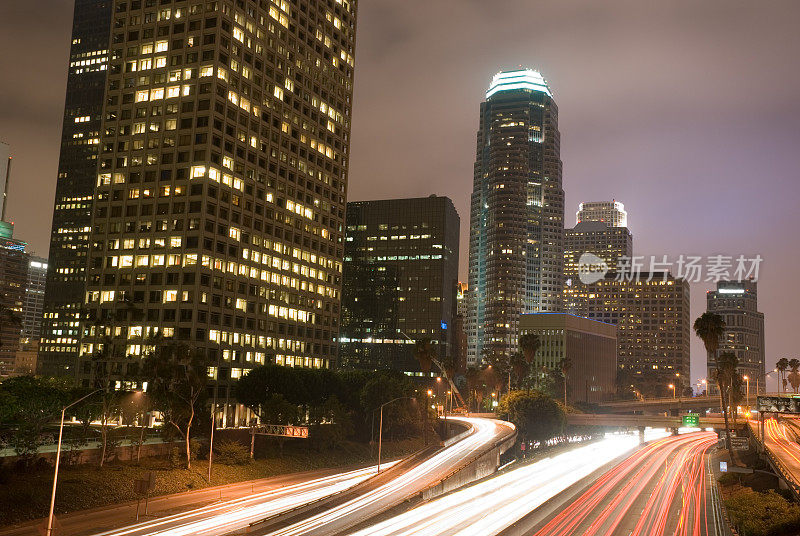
x=239, y=513
x=351, y=512
x=494, y=504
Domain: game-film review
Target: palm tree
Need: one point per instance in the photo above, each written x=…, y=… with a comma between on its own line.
x=424, y=353
x=710, y=327
x=529, y=343
x=782, y=365
x=566, y=365
x=724, y=375
x=8, y=317
x=794, y=376
x=519, y=367
x=473, y=376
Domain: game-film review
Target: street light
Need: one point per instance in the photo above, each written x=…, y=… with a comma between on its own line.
x=672, y=386
x=747, y=397
x=380, y=426
x=58, y=457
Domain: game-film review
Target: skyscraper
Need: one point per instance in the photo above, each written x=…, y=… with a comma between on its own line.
x=75, y=183
x=609, y=212
x=13, y=276
x=651, y=313
x=516, y=213
x=737, y=303
x=597, y=238
x=34, y=298
x=400, y=281
x=218, y=212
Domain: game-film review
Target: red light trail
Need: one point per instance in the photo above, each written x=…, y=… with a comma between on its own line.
x=661, y=487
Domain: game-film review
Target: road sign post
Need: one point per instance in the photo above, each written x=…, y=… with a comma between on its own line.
x=142, y=487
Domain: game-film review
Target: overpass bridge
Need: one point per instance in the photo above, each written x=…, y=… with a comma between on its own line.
x=669, y=405
x=644, y=421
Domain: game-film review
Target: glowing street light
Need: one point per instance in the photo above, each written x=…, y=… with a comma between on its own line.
x=747, y=380
x=672, y=386
x=58, y=457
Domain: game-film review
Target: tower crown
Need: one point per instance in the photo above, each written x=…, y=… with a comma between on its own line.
x=519, y=79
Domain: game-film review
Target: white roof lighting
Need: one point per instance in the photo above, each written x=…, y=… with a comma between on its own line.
x=521, y=79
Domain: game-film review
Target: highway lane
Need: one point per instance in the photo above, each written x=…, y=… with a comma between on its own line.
x=660, y=490
x=227, y=516
x=340, y=517
x=495, y=504
x=87, y=522
x=781, y=440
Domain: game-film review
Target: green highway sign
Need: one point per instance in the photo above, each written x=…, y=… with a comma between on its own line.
x=692, y=420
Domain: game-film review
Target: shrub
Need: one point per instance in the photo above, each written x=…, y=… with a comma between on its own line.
x=231, y=453
x=763, y=514
x=536, y=416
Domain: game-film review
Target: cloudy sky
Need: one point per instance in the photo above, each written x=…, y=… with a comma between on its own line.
x=686, y=111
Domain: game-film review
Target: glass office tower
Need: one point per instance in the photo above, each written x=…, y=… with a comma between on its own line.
x=517, y=213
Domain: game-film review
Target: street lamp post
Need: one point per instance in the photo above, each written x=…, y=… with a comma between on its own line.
x=58, y=458
x=672, y=386
x=747, y=396
x=425, y=415
x=380, y=427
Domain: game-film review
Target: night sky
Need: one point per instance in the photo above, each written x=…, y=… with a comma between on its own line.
x=686, y=111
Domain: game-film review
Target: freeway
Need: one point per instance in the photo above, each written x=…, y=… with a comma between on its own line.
x=497, y=503
x=659, y=489
x=227, y=516
x=781, y=441
x=485, y=436
x=662, y=489
x=203, y=501
x=371, y=493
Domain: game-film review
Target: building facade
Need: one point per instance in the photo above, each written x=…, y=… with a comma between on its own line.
x=596, y=238
x=34, y=298
x=589, y=346
x=516, y=213
x=219, y=186
x=609, y=212
x=75, y=184
x=400, y=282
x=737, y=303
x=13, y=278
x=651, y=313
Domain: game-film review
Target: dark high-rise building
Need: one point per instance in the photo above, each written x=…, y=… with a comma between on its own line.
x=400, y=281
x=13, y=277
x=34, y=298
x=737, y=303
x=75, y=183
x=517, y=213
x=218, y=191
x=651, y=313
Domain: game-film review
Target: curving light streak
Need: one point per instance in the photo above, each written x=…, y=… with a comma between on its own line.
x=348, y=514
x=674, y=463
x=494, y=504
x=780, y=442
x=239, y=513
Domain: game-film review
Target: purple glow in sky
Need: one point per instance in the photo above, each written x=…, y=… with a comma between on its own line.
x=686, y=111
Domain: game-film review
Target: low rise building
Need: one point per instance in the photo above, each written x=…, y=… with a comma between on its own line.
x=589, y=346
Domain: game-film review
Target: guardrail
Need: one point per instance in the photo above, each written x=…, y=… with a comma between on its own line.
x=500, y=445
x=783, y=471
